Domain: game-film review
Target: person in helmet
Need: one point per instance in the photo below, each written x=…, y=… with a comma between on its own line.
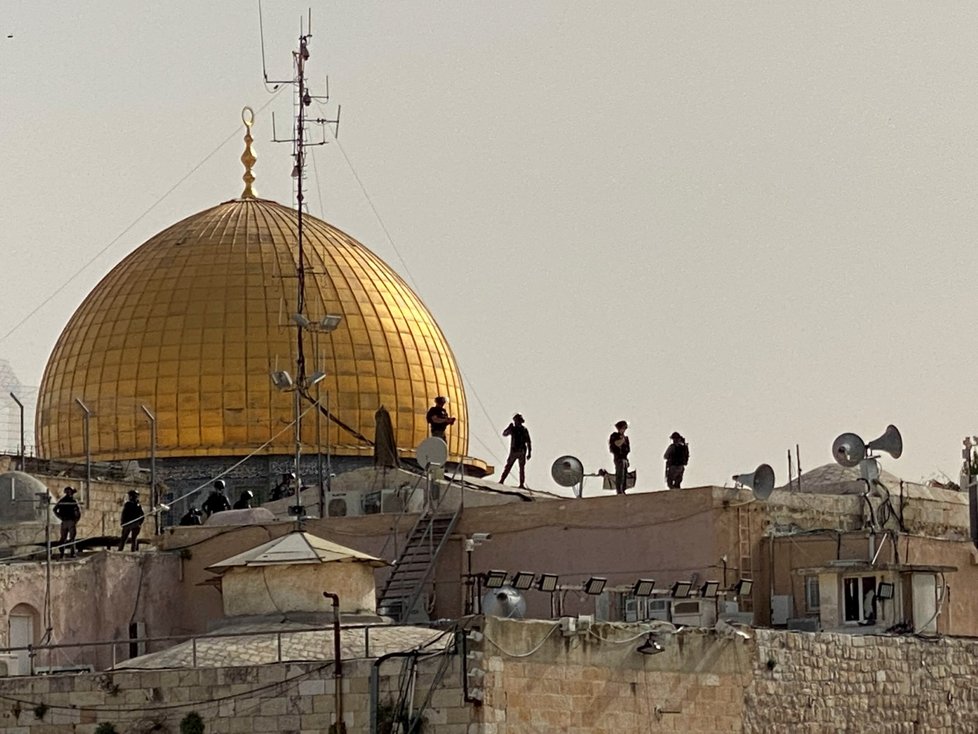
x=284, y=488
x=192, y=517
x=244, y=502
x=216, y=501
x=132, y=520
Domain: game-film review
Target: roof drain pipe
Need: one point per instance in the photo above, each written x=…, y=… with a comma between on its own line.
x=339, y=727
x=375, y=684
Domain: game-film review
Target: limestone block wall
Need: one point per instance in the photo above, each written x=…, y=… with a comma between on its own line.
x=808, y=683
x=282, y=698
x=537, y=680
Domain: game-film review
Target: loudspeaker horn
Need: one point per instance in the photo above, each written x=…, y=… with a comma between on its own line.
x=891, y=442
x=567, y=471
x=761, y=481
x=848, y=450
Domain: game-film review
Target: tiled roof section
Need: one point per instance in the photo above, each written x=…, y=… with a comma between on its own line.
x=836, y=479
x=296, y=548
x=299, y=642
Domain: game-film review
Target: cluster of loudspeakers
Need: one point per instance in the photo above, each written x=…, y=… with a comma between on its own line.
x=849, y=449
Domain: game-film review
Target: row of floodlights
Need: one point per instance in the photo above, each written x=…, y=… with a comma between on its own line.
x=548, y=582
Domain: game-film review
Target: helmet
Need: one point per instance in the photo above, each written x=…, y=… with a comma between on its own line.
x=219, y=484
x=248, y=493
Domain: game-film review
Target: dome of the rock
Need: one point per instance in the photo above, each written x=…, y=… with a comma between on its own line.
x=192, y=324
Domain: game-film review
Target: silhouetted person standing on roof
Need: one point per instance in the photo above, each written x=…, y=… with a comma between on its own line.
x=620, y=447
x=68, y=512
x=520, y=449
x=438, y=418
x=216, y=501
x=676, y=456
x=132, y=520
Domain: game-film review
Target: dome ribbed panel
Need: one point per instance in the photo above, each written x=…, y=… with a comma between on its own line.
x=191, y=323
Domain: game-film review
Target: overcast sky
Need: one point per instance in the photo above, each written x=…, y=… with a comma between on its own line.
x=751, y=223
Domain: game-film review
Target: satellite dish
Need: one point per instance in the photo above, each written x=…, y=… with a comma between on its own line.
x=848, y=450
x=891, y=442
x=761, y=481
x=568, y=471
x=504, y=602
x=432, y=450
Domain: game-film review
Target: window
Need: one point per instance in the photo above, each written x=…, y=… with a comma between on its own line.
x=812, y=599
x=859, y=600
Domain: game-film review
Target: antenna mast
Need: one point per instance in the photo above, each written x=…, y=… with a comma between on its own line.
x=299, y=140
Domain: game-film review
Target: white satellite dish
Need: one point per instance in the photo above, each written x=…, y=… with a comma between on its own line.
x=504, y=602
x=568, y=471
x=761, y=481
x=432, y=450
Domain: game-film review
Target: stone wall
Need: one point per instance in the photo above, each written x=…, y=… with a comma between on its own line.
x=537, y=680
x=284, y=698
x=807, y=683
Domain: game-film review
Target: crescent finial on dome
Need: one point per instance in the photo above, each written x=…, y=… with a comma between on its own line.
x=248, y=157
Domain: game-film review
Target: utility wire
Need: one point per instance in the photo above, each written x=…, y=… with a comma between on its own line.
x=57, y=291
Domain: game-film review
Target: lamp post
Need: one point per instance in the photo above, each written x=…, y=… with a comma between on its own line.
x=21, y=463
x=88, y=450
x=153, y=498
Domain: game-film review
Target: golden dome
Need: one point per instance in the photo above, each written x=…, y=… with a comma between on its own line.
x=191, y=324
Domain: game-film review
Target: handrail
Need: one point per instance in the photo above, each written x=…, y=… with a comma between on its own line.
x=34, y=650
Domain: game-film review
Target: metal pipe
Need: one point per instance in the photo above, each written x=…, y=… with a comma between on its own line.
x=375, y=683
x=88, y=451
x=337, y=661
x=21, y=463
x=153, y=495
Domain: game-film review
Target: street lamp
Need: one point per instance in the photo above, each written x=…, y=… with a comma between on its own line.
x=22, y=463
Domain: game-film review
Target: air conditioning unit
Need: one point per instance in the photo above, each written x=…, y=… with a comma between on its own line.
x=9, y=665
x=370, y=502
x=391, y=501
x=694, y=612
x=640, y=608
x=343, y=504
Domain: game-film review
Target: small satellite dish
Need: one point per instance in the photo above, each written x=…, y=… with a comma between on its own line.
x=504, y=602
x=761, y=481
x=848, y=450
x=432, y=450
x=568, y=471
x=891, y=442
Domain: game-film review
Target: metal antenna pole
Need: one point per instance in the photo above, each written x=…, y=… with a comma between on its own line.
x=153, y=494
x=21, y=461
x=88, y=451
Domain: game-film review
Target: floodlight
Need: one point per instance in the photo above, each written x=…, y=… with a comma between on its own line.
x=495, y=579
x=282, y=380
x=547, y=582
x=884, y=590
x=709, y=589
x=651, y=646
x=330, y=322
x=594, y=585
x=301, y=320
x=643, y=587
x=681, y=589
x=522, y=580
x=315, y=378
x=743, y=587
